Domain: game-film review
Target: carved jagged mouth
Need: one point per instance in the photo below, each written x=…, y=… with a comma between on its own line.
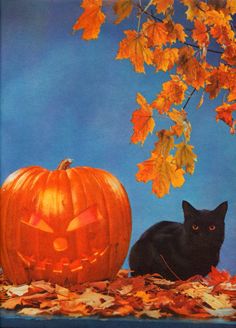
x=64, y=265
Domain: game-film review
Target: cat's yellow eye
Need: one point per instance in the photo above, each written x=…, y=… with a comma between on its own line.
x=195, y=227
x=212, y=227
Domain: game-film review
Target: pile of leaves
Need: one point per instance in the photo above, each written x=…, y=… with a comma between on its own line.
x=142, y=296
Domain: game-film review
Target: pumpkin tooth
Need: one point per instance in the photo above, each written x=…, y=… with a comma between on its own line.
x=24, y=259
x=76, y=266
x=103, y=251
x=57, y=268
x=43, y=265
x=94, y=260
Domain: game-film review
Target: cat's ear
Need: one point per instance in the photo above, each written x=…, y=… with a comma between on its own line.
x=221, y=210
x=188, y=209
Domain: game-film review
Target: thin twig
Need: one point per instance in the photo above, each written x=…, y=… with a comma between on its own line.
x=169, y=268
x=189, y=97
x=195, y=46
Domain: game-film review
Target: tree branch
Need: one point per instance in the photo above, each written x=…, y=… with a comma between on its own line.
x=209, y=50
x=161, y=21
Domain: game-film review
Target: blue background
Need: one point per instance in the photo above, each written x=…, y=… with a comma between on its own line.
x=65, y=97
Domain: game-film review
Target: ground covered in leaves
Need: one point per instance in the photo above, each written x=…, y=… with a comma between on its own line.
x=142, y=296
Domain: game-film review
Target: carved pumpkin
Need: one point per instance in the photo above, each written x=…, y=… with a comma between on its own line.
x=66, y=226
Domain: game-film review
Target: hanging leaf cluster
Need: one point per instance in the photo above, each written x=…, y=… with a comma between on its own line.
x=185, y=54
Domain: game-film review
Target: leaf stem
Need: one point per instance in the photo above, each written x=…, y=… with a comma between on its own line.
x=142, y=11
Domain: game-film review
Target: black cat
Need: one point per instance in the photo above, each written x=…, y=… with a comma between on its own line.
x=181, y=250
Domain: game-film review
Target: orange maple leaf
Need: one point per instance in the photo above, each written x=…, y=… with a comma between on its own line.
x=219, y=78
x=165, y=59
x=173, y=92
x=216, y=277
x=156, y=33
x=90, y=20
x=223, y=34
x=229, y=54
x=135, y=48
x=224, y=113
x=232, y=85
x=122, y=9
x=200, y=34
x=193, y=72
x=175, y=32
x=142, y=120
x=162, y=5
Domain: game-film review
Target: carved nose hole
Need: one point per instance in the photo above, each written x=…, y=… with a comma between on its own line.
x=60, y=244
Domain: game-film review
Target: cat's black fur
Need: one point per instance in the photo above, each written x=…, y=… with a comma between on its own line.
x=177, y=250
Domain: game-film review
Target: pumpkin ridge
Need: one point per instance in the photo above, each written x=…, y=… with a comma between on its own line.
x=69, y=192
x=122, y=197
x=76, y=173
x=14, y=192
x=28, y=184
x=92, y=173
x=4, y=235
x=108, y=179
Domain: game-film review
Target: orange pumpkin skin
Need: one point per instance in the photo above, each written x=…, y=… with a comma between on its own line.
x=66, y=226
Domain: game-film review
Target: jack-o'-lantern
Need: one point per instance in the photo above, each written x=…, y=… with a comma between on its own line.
x=65, y=226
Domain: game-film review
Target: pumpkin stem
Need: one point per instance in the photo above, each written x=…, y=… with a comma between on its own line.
x=65, y=164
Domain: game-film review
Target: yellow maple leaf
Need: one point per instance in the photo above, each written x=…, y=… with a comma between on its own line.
x=155, y=32
x=122, y=9
x=162, y=171
x=231, y=6
x=135, y=48
x=195, y=8
x=218, y=17
x=165, y=59
x=90, y=20
x=185, y=157
x=201, y=101
x=162, y=5
x=165, y=143
x=182, y=125
x=166, y=174
x=142, y=120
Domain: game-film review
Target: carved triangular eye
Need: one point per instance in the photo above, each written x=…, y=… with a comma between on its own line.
x=36, y=222
x=88, y=216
